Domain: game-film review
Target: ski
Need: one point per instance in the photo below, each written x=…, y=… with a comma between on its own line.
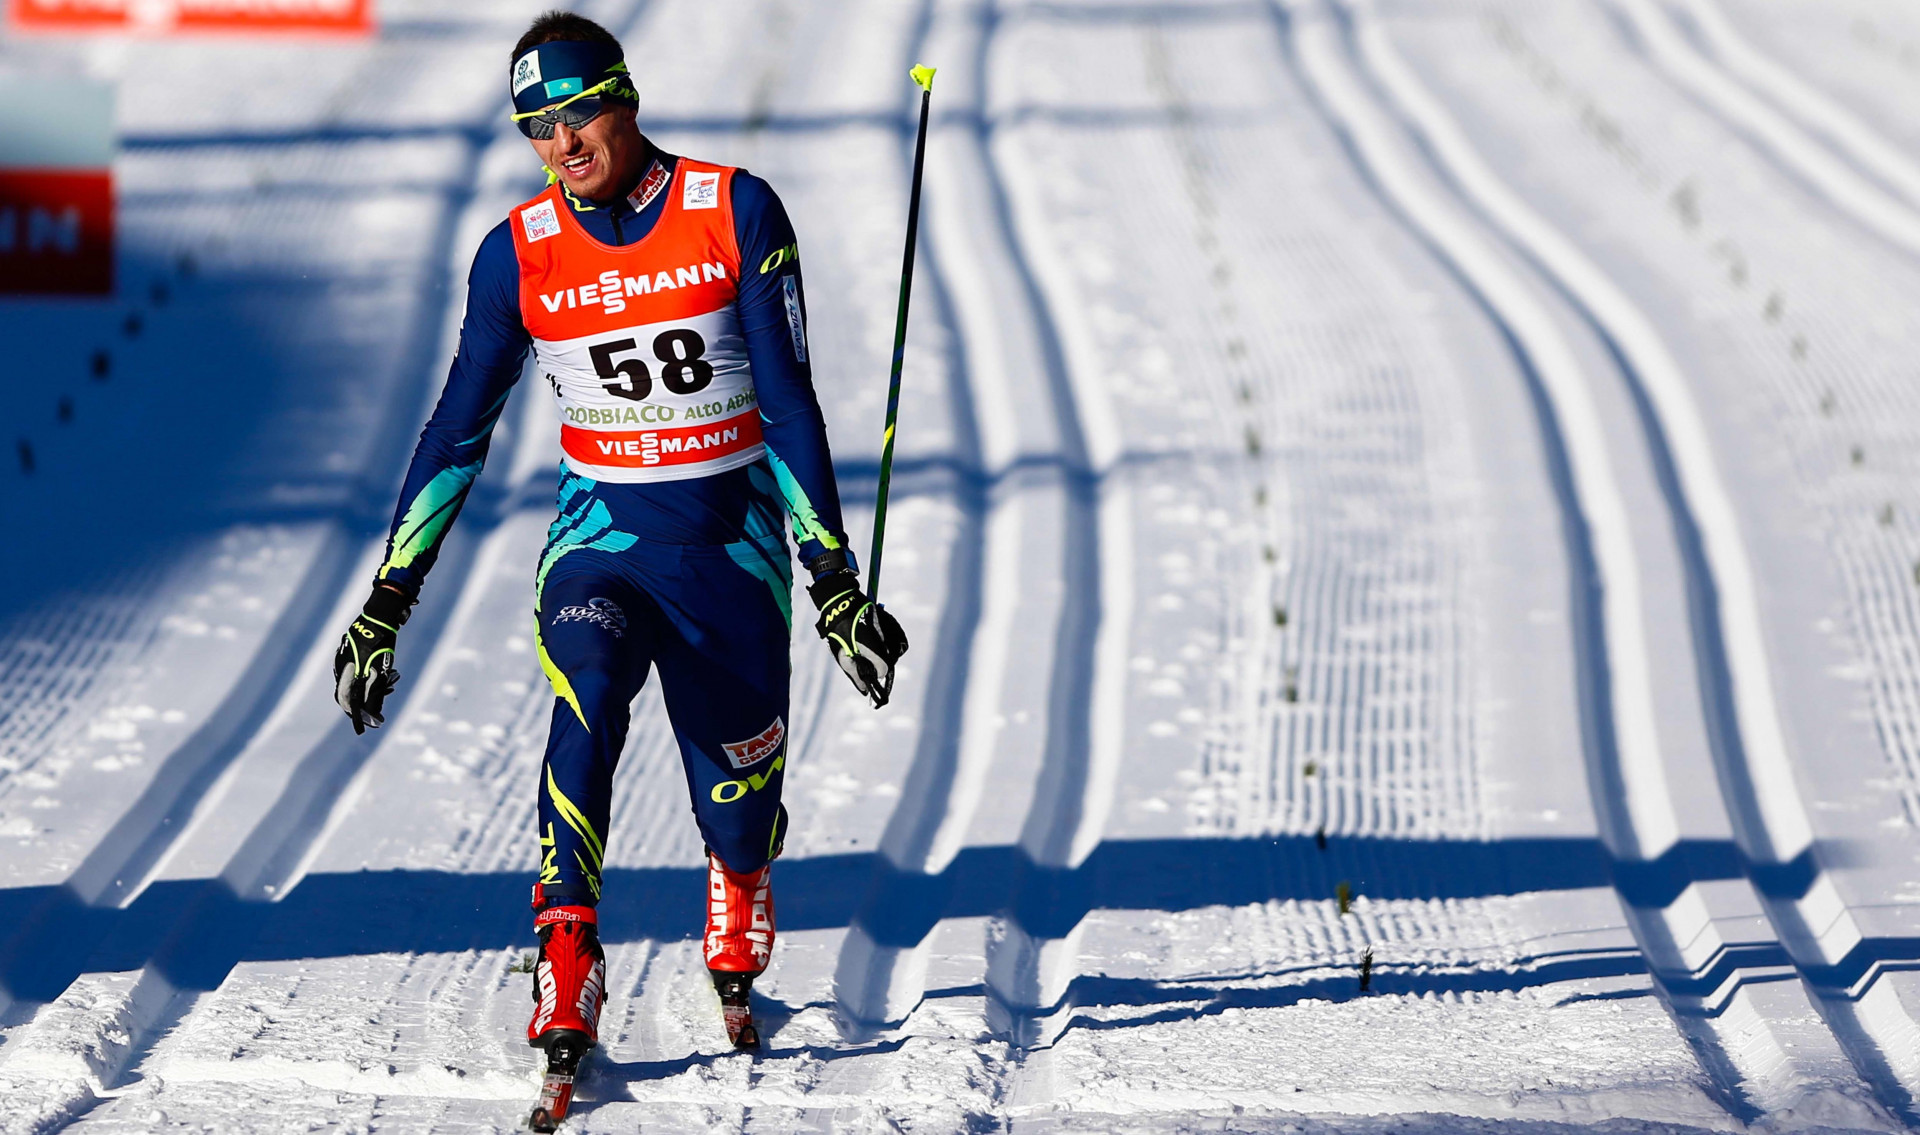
x=556, y=1089
x=736, y=1009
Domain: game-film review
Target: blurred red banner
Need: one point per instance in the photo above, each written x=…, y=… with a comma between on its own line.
x=56, y=232
x=162, y=17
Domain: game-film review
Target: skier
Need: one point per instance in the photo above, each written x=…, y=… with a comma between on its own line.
x=662, y=299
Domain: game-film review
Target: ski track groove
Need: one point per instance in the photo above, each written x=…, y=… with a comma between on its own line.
x=1634, y=806
x=1877, y=1030
x=1755, y=776
x=1631, y=793
x=1757, y=783
x=1394, y=763
x=1029, y=973
x=1367, y=596
x=1814, y=111
x=1857, y=195
x=1369, y=589
x=879, y=982
x=1877, y=577
x=1389, y=780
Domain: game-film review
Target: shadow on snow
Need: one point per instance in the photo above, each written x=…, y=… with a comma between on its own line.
x=419, y=911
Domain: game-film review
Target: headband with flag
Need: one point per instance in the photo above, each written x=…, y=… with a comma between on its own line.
x=549, y=73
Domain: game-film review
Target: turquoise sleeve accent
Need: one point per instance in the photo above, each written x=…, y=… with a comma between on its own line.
x=806, y=522
x=428, y=516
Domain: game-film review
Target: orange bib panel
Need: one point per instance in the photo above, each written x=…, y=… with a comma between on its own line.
x=641, y=345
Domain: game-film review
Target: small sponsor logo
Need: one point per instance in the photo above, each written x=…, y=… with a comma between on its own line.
x=757, y=748
x=526, y=72
x=788, y=255
x=540, y=221
x=700, y=191
x=561, y=88
x=650, y=187
x=604, y=613
x=590, y=990
x=728, y=791
x=796, y=324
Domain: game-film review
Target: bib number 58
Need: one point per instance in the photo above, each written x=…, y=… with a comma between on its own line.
x=683, y=370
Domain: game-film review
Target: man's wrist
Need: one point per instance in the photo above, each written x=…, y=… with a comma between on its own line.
x=388, y=605
x=829, y=562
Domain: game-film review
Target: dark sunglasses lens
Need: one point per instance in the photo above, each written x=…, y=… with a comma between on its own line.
x=579, y=113
x=574, y=115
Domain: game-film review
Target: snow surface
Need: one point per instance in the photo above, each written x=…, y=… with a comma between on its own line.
x=1415, y=487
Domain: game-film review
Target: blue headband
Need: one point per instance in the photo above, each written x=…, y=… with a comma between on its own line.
x=553, y=72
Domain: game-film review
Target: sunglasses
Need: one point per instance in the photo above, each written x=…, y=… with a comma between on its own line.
x=573, y=113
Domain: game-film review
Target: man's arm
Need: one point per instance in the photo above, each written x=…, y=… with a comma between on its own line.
x=453, y=446
x=866, y=641
x=452, y=449
x=772, y=306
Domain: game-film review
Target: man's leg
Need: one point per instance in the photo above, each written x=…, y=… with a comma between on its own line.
x=724, y=673
x=593, y=644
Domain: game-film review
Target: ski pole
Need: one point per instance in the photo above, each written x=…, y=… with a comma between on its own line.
x=922, y=75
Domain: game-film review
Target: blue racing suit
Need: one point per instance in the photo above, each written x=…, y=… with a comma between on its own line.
x=689, y=575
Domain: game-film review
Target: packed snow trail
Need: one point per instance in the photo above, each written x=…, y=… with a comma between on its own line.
x=1826, y=940
x=1750, y=1061
x=1293, y=520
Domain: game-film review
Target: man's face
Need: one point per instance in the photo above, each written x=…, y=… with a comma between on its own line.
x=597, y=160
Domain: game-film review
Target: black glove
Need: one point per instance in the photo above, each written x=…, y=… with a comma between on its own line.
x=866, y=641
x=363, y=673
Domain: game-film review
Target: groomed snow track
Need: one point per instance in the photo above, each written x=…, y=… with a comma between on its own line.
x=1211, y=708
x=1701, y=978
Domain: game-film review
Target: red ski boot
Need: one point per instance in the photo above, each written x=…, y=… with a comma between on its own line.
x=569, y=984
x=739, y=942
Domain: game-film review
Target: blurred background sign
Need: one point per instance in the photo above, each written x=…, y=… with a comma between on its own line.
x=56, y=185
x=160, y=17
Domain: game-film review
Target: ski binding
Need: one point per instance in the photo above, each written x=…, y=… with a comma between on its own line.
x=564, y=1052
x=736, y=1009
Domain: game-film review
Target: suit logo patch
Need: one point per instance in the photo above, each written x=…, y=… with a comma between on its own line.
x=700, y=191
x=796, y=325
x=602, y=613
x=526, y=72
x=649, y=188
x=759, y=747
x=540, y=221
